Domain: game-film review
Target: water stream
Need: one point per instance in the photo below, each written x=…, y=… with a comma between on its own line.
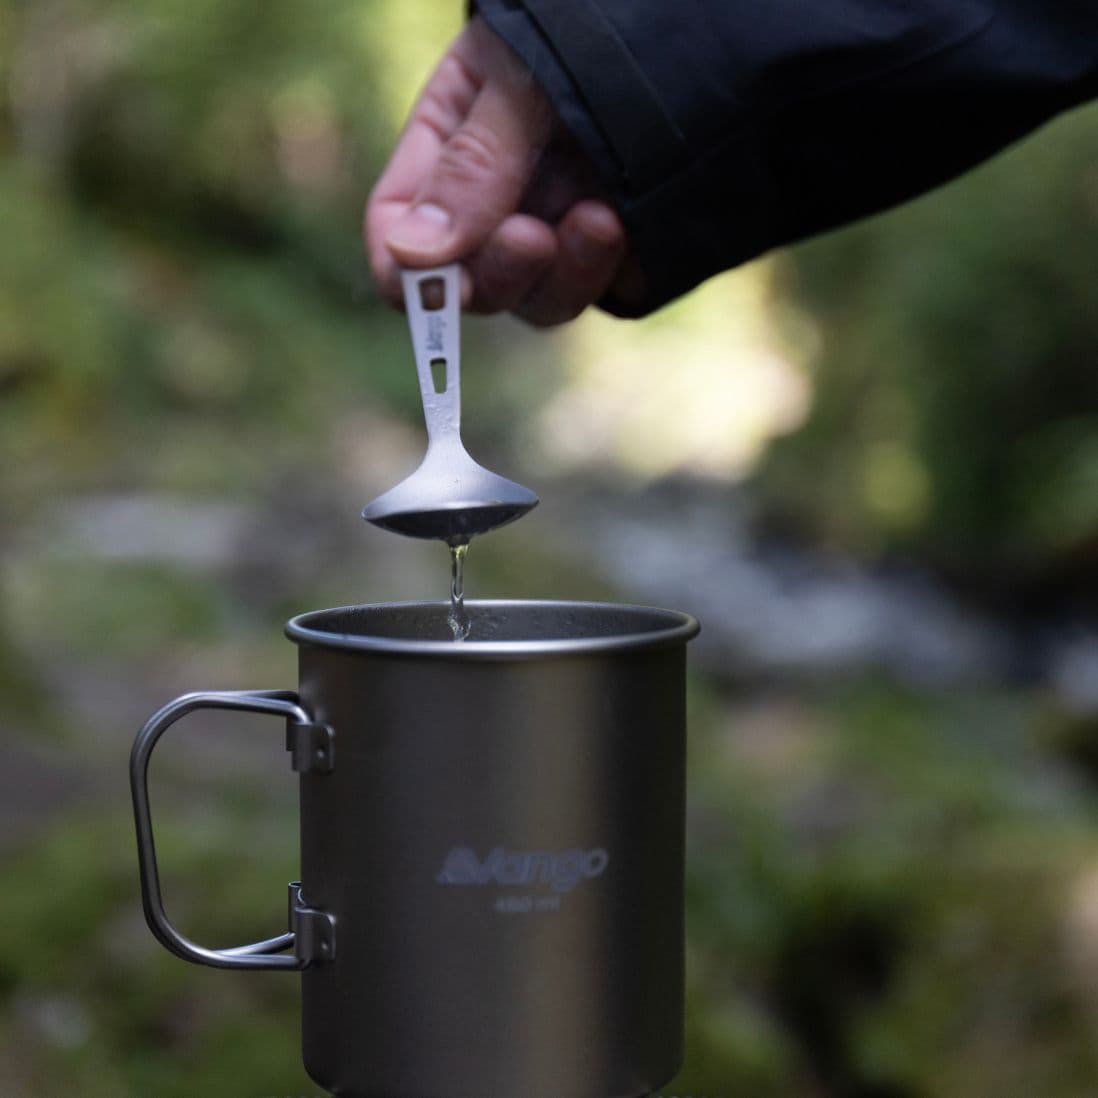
x=458, y=618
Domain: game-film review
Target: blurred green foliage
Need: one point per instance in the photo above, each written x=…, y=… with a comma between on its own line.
x=893, y=893
x=880, y=894
x=955, y=417
x=182, y=189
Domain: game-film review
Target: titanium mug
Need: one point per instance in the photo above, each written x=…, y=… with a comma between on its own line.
x=492, y=833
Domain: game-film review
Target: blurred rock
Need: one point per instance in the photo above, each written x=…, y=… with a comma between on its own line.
x=60, y=1019
x=780, y=609
x=36, y=783
x=148, y=526
x=1073, y=671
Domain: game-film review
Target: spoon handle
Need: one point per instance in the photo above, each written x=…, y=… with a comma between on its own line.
x=432, y=299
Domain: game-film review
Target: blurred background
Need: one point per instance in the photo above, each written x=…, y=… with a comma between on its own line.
x=868, y=464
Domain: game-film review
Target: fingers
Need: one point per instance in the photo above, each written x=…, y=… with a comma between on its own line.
x=591, y=246
x=476, y=182
x=416, y=151
x=509, y=266
x=548, y=277
x=460, y=172
x=463, y=162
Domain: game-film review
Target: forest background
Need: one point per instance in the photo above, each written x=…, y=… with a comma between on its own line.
x=869, y=464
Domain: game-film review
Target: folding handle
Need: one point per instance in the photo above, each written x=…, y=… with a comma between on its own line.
x=312, y=933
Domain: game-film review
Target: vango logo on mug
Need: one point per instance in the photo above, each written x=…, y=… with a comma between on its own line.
x=562, y=870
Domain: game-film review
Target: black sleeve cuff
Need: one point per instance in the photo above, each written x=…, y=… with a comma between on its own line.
x=721, y=130
x=604, y=99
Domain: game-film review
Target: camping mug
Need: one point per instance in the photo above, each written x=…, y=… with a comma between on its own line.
x=492, y=832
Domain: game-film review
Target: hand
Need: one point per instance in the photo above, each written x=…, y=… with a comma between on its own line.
x=484, y=173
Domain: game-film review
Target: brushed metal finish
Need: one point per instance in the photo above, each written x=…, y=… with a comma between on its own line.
x=449, y=496
x=492, y=835
x=265, y=954
x=456, y=990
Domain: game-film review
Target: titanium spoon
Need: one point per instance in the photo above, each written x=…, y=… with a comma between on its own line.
x=449, y=496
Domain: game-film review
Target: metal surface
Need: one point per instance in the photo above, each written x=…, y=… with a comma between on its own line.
x=258, y=954
x=499, y=629
x=457, y=774
x=449, y=496
x=311, y=747
x=313, y=930
x=499, y=849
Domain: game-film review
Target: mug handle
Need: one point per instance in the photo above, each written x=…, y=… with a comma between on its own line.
x=312, y=933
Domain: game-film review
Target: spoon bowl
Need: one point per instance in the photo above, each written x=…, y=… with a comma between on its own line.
x=452, y=500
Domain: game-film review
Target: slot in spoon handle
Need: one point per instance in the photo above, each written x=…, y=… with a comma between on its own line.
x=432, y=299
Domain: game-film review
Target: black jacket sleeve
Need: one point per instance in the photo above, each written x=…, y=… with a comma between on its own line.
x=723, y=128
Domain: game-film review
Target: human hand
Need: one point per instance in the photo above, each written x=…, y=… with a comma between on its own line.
x=483, y=173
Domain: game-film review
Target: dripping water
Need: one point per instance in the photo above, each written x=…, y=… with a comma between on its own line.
x=458, y=618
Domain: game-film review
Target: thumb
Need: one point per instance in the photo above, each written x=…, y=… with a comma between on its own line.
x=479, y=177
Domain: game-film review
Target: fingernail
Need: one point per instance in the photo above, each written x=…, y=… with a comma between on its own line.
x=421, y=229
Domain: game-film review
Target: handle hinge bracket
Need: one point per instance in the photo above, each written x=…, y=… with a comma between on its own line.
x=311, y=747
x=313, y=930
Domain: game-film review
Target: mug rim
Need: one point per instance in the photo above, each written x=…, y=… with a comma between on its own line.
x=680, y=627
